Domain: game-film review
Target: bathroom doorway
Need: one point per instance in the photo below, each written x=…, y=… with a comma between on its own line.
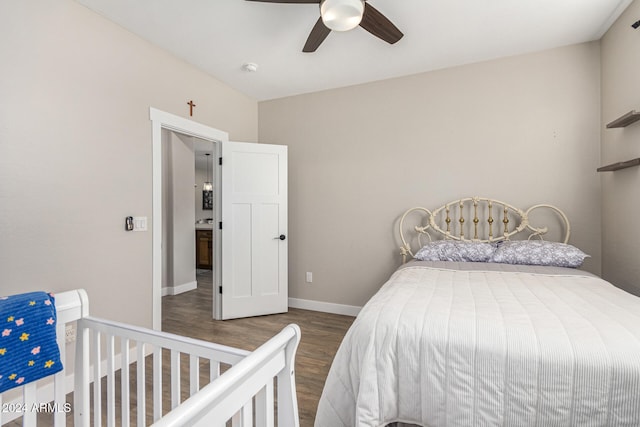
x=249, y=230
x=189, y=212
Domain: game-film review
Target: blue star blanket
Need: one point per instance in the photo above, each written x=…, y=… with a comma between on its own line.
x=28, y=347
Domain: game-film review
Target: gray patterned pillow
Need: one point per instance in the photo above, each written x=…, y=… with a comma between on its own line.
x=538, y=252
x=455, y=250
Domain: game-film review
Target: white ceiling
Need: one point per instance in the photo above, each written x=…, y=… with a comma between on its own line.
x=218, y=36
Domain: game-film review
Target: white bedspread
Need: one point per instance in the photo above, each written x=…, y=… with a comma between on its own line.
x=440, y=347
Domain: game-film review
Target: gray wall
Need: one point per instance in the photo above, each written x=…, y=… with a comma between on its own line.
x=179, y=254
x=75, y=150
x=523, y=129
x=620, y=190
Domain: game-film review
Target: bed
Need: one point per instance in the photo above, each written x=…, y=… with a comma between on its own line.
x=208, y=384
x=463, y=343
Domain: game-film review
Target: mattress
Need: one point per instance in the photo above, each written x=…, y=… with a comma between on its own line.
x=467, y=344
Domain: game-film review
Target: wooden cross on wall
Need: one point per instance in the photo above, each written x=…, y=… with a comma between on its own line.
x=191, y=105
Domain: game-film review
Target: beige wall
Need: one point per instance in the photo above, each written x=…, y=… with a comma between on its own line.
x=523, y=129
x=620, y=190
x=75, y=154
x=75, y=150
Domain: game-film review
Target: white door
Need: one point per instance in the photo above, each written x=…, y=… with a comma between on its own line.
x=254, y=229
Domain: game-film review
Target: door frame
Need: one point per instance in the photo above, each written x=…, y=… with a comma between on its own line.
x=163, y=120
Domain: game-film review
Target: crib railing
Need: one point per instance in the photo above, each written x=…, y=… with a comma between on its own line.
x=230, y=397
x=250, y=381
x=166, y=379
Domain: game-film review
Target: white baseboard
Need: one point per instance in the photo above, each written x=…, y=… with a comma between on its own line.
x=175, y=290
x=326, y=307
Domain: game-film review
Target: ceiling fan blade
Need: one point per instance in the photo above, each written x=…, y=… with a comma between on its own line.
x=287, y=1
x=378, y=25
x=317, y=36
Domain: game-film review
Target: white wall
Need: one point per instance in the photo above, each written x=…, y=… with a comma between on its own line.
x=620, y=194
x=75, y=150
x=523, y=129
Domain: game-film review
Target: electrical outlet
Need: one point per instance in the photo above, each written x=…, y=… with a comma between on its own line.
x=69, y=334
x=309, y=277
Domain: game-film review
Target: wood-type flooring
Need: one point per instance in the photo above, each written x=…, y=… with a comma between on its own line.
x=189, y=314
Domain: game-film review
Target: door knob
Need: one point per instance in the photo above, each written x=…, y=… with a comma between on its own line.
x=281, y=237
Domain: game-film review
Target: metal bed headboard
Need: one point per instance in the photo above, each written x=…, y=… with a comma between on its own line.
x=491, y=221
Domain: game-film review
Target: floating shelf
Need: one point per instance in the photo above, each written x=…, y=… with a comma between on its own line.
x=620, y=165
x=626, y=120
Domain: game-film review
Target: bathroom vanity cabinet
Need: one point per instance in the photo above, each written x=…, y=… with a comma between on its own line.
x=204, y=249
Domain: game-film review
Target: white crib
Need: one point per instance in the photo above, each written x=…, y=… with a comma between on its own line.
x=243, y=395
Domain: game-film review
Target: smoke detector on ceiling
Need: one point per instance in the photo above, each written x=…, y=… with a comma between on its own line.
x=250, y=67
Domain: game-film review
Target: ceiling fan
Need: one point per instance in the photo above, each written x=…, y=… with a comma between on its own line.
x=344, y=15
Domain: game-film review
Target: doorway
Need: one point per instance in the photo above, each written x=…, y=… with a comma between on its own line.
x=183, y=129
x=249, y=221
x=188, y=214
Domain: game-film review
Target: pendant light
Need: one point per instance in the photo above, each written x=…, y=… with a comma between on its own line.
x=208, y=185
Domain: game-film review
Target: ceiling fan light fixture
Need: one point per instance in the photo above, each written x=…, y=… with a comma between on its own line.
x=341, y=15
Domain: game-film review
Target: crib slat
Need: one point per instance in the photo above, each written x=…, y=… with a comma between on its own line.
x=124, y=381
x=287, y=403
x=157, y=383
x=175, y=378
x=141, y=384
x=59, y=391
x=111, y=382
x=60, y=398
x=82, y=392
x=264, y=406
x=97, y=389
x=194, y=375
x=29, y=418
x=214, y=370
x=247, y=414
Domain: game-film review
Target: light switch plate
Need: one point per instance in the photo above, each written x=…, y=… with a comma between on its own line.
x=139, y=223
